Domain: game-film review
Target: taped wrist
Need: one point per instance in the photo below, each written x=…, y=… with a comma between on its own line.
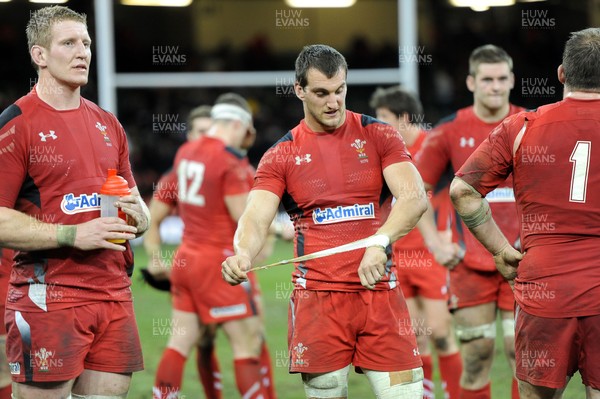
x=65, y=235
x=378, y=240
x=479, y=216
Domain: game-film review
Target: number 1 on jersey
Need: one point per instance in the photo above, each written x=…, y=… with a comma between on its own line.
x=194, y=171
x=581, y=166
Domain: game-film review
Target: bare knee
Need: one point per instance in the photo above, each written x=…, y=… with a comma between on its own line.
x=477, y=357
x=529, y=391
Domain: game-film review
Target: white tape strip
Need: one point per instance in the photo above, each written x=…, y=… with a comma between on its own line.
x=378, y=239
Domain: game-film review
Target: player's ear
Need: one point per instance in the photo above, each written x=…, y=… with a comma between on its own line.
x=561, y=74
x=299, y=91
x=38, y=55
x=471, y=83
x=512, y=80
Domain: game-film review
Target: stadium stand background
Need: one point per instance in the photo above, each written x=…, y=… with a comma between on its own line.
x=244, y=35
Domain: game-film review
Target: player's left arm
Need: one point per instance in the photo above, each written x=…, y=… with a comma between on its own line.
x=137, y=211
x=406, y=185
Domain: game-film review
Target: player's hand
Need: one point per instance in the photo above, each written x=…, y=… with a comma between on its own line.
x=95, y=234
x=507, y=261
x=234, y=269
x=372, y=266
x=131, y=205
x=447, y=253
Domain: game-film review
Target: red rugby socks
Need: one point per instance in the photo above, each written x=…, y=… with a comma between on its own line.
x=451, y=370
x=210, y=374
x=248, y=378
x=167, y=382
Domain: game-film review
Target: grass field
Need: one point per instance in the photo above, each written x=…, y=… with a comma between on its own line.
x=153, y=310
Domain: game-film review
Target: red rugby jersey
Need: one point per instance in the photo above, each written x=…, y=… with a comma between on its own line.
x=446, y=148
x=556, y=176
x=331, y=185
x=52, y=166
x=208, y=171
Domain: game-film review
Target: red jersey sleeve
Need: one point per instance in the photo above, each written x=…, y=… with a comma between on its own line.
x=492, y=162
x=391, y=146
x=433, y=159
x=13, y=154
x=270, y=172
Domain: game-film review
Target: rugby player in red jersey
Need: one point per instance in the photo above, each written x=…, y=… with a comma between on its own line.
x=213, y=181
x=70, y=320
x=331, y=172
x=556, y=277
x=477, y=291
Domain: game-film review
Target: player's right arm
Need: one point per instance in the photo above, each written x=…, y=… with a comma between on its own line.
x=251, y=234
x=152, y=242
x=24, y=233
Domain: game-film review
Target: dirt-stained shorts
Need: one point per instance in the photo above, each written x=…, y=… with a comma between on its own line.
x=548, y=350
x=470, y=287
x=58, y=345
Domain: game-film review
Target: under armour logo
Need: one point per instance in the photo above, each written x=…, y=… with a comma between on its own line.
x=305, y=158
x=416, y=352
x=45, y=136
x=467, y=142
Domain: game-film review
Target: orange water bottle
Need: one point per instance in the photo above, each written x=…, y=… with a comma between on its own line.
x=113, y=188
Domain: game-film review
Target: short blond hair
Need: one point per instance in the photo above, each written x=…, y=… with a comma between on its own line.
x=488, y=54
x=39, y=27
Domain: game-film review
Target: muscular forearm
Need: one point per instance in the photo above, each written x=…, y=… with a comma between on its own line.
x=411, y=200
x=404, y=216
x=490, y=236
x=24, y=233
x=475, y=212
x=250, y=237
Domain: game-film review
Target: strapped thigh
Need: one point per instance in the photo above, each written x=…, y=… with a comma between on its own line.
x=327, y=385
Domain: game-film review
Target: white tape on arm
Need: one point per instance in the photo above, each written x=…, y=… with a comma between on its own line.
x=379, y=240
x=375, y=240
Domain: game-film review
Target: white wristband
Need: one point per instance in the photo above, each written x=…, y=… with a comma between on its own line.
x=378, y=240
